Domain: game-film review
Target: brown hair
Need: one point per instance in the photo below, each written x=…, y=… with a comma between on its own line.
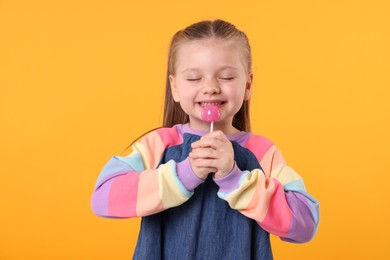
x=218, y=29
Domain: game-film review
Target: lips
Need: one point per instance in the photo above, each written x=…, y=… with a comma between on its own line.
x=212, y=103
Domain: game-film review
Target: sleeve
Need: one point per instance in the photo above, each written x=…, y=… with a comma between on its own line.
x=275, y=197
x=135, y=185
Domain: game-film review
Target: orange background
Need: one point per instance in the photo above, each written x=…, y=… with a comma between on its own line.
x=79, y=80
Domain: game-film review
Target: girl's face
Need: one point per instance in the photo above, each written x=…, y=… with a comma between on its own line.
x=211, y=71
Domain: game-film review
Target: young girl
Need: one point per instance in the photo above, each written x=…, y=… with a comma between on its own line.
x=207, y=195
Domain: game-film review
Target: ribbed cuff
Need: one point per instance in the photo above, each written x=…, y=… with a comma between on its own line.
x=231, y=181
x=187, y=175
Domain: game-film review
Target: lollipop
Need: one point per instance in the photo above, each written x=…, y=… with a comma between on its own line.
x=211, y=114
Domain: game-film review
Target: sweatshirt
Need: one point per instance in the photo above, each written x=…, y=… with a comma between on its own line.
x=184, y=217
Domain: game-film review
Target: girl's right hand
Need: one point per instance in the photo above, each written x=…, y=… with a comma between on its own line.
x=199, y=168
x=213, y=153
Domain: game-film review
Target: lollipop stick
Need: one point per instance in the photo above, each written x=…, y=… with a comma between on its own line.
x=211, y=126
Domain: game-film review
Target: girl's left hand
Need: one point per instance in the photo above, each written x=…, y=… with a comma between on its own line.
x=214, y=150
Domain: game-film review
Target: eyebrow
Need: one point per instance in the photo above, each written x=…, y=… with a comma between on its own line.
x=219, y=69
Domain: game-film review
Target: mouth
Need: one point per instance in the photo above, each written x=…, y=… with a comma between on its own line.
x=213, y=103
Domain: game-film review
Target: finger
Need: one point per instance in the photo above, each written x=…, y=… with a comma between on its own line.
x=208, y=142
x=205, y=153
x=205, y=163
x=200, y=166
x=219, y=135
x=205, y=170
x=213, y=136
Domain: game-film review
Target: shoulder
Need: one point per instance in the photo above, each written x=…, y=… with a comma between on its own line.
x=254, y=140
x=259, y=145
x=168, y=136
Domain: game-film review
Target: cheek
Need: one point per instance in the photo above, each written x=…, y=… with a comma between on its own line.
x=236, y=92
x=187, y=93
x=181, y=88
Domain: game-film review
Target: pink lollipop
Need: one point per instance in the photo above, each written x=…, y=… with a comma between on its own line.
x=211, y=114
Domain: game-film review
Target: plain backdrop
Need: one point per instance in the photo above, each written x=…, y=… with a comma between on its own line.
x=81, y=79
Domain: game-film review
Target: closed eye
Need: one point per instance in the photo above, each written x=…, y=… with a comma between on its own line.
x=193, y=79
x=227, y=78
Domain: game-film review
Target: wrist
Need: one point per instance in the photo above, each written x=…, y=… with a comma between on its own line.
x=231, y=181
x=187, y=176
x=219, y=174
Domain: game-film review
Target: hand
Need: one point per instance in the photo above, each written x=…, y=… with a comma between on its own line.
x=212, y=153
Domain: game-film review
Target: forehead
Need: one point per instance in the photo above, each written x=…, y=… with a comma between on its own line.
x=209, y=53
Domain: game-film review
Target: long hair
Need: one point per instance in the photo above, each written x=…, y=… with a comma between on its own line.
x=218, y=29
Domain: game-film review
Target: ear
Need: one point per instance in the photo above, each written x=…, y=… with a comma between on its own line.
x=172, y=82
x=248, y=87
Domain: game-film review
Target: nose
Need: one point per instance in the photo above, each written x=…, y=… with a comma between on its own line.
x=211, y=87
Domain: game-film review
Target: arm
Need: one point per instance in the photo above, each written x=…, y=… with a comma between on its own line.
x=134, y=186
x=275, y=197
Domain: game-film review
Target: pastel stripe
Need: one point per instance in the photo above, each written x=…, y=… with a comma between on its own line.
x=302, y=226
x=259, y=145
x=151, y=149
x=170, y=136
x=284, y=174
x=169, y=192
x=231, y=181
x=240, y=197
x=134, y=160
x=186, y=176
x=223, y=194
x=259, y=204
x=278, y=218
x=297, y=185
x=314, y=206
x=123, y=195
x=271, y=159
x=140, y=148
x=178, y=182
x=111, y=168
x=148, y=201
x=244, y=176
x=100, y=199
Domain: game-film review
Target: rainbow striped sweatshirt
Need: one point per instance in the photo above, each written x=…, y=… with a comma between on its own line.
x=185, y=217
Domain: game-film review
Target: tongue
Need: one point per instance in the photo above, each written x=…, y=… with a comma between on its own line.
x=210, y=113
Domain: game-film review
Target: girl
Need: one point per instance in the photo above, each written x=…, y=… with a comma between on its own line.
x=207, y=195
